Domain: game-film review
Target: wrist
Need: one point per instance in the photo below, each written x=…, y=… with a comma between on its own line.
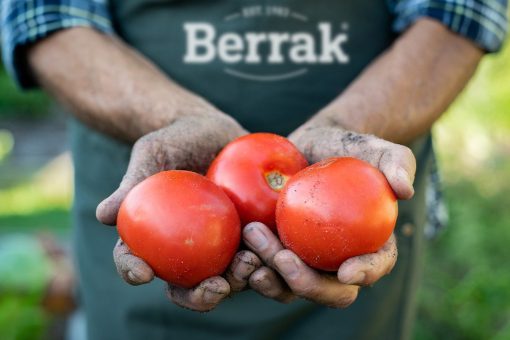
x=184, y=106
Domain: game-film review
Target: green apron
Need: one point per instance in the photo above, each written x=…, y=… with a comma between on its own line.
x=271, y=65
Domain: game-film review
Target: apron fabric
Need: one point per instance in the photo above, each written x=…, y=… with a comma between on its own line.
x=264, y=94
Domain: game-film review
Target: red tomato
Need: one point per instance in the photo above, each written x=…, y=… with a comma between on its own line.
x=253, y=170
x=334, y=210
x=183, y=225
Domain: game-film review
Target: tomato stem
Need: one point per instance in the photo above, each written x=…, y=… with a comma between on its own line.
x=276, y=180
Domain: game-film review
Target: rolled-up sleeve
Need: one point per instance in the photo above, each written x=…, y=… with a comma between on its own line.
x=27, y=21
x=482, y=21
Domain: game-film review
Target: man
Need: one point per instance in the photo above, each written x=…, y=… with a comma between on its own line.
x=180, y=79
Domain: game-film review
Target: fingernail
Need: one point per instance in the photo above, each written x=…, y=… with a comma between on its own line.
x=288, y=268
x=132, y=277
x=404, y=175
x=264, y=283
x=357, y=278
x=211, y=297
x=255, y=238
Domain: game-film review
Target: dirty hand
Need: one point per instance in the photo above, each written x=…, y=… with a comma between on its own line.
x=190, y=143
x=284, y=276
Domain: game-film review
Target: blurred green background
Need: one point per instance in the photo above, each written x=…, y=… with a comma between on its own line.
x=465, y=292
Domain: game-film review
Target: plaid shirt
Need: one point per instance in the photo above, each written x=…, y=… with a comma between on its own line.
x=26, y=21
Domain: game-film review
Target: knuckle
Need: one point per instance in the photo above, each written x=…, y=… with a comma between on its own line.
x=127, y=177
x=149, y=143
x=269, y=256
x=142, y=143
x=249, y=258
x=401, y=149
x=406, y=153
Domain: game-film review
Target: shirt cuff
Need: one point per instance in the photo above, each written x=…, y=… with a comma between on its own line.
x=27, y=21
x=482, y=21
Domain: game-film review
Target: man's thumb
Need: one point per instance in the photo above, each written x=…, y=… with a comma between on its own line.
x=107, y=210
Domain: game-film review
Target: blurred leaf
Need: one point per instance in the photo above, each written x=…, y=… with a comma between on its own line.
x=25, y=267
x=21, y=318
x=14, y=103
x=466, y=283
x=6, y=143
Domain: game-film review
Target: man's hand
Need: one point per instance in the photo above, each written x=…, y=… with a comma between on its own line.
x=284, y=276
x=319, y=141
x=190, y=142
x=202, y=298
x=428, y=61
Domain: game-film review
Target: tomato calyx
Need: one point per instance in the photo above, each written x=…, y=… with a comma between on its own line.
x=275, y=180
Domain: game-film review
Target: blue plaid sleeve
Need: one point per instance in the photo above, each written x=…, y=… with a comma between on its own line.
x=26, y=21
x=482, y=21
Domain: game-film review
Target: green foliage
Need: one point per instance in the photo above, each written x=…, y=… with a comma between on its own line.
x=53, y=219
x=14, y=103
x=25, y=271
x=6, y=144
x=21, y=318
x=19, y=251
x=38, y=205
x=466, y=283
